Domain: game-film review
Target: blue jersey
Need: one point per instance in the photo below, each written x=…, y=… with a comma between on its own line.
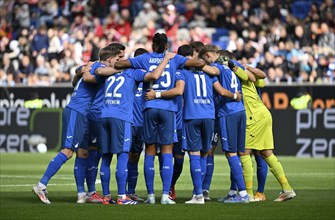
x=198, y=95
x=149, y=62
x=84, y=93
x=231, y=82
x=179, y=113
x=97, y=102
x=119, y=94
x=138, y=106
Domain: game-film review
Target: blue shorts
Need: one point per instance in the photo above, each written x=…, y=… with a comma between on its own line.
x=74, y=129
x=137, y=143
x=232, y=131
x=115, y=136
x=92, y=138
x=177, y=146
x=216, y=134
x=198, y=135
x=159, y=126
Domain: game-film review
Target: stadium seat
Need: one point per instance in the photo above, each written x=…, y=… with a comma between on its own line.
x=300, y=9
x=220, y=32
x=221, y=44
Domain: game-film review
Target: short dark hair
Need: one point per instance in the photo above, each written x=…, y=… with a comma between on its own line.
x=159, y=43
x=140, y=51
x=197, y=45
x=228, y=54
x=207, y=48
x=117, y=46
x=108, y=52
x=185, y=50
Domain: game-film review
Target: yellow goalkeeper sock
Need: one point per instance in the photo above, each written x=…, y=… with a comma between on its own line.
x=278, y=171
x=247, y=173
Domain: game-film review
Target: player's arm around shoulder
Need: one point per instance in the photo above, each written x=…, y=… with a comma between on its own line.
x=258, y=73
x=171, y=93
x=197, y=63
x=80, y=71
x=241, y=74
x=226, y=93
x=106, y=71
x=211, y=70
x=122, y=64
x=154, y=75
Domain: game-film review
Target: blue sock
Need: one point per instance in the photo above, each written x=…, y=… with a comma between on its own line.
x=167, y=172
x=105, y=173
x=262, y=172
x=91, y=170
x=203, y=163
x=149, y=172
x=80, y=165
x=132, y=176
x=53, y=167
x=233, y=185
x=160, y=160
x=195, y=168
x=121, y=173
x=209, y=173
x=236, y=172
x=177, y=169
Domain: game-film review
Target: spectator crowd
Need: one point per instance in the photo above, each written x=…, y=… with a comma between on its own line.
x=43, y=41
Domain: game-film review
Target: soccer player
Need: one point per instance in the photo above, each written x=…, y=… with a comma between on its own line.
x=262, y=167
x=198, y=117
x=92, y=138
x=74, y=129
x=116, y=120
x=206, y=183
x=196, y=46
x=159, y=115
x=137, y=142
x=178, y=153
x=231, y=116
x=259, y=135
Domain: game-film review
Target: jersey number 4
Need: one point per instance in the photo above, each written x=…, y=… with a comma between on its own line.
x=234, y=83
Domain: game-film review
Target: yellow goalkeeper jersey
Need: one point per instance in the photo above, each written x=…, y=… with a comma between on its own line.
x=254, y=107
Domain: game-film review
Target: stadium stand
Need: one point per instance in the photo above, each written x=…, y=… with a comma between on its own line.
x=41, y=42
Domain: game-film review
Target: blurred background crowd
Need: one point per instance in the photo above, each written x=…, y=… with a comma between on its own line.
x=43, y=41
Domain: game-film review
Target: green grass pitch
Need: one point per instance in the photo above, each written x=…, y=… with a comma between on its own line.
x=312, y=179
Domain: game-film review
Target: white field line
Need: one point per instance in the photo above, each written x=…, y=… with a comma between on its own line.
x=36, y=177
x=2, y=177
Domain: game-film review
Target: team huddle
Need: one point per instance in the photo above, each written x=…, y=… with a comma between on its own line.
x=172, y=104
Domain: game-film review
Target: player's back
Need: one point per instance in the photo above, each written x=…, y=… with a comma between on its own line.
x=166, y=81
x=84, y=93
x=138, y=106
x=119, y=94
x=179, y=113
x=198, y=95
x=254, y=107
x=98, y=99
x=231, y=82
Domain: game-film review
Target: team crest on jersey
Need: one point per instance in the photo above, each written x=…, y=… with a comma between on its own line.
x=139, y=92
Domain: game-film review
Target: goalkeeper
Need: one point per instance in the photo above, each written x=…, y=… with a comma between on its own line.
x=259, y=135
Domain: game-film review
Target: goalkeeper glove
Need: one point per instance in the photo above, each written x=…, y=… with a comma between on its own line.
x=231, y=64
x=222, y=60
